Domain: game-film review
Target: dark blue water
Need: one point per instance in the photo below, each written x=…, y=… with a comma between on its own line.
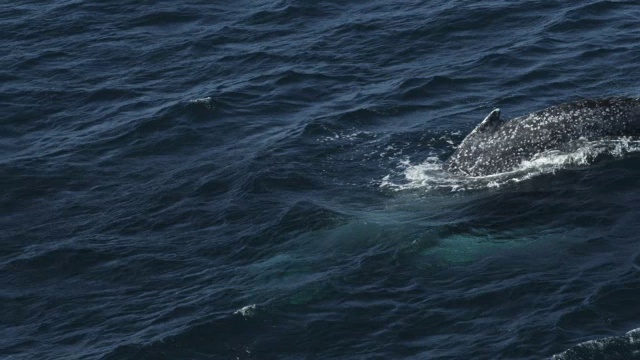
x=259, y=180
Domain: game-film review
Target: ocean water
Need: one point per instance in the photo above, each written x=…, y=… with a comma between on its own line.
x=263, y=180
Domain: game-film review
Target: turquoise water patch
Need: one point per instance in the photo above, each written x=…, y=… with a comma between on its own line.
x=462, y=248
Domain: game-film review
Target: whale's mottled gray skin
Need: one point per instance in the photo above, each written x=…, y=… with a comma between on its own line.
x=497, y=146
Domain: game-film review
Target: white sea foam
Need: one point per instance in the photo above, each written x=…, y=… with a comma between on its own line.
x=430, y=174
x=623, y=347
x=347, y=136
x=247, y=311
x=205, y=101
x=584, y=153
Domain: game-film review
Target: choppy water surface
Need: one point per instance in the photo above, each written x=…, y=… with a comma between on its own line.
x=262, y=180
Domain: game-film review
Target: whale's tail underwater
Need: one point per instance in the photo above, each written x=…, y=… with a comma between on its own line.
x=498, y=146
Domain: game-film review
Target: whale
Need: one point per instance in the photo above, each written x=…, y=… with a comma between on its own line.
x=500, y=146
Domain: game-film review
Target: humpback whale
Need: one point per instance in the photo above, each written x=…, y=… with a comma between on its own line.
x=498, y=146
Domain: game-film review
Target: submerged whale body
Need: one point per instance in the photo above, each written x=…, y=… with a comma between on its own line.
x=497, y=146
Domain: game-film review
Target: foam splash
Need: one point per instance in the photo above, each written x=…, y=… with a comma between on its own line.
x=207, y=102
x=247, y=311
x=430, y=174
x=624, y=347
x=347, y=136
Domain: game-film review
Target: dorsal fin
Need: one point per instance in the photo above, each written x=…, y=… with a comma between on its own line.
x=492, y=119
x=490, y=122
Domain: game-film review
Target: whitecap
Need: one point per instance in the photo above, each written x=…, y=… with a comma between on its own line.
x=247, y=311
x=205, y=101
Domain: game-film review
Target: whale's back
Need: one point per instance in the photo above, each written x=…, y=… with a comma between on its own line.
x=497, y=146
